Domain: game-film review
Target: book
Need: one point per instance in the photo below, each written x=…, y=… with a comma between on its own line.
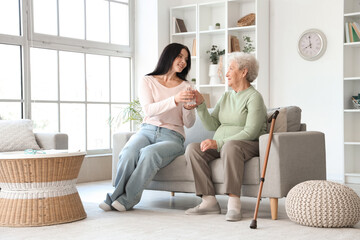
x=174, y=26
x=193, y=50
x=357, y=31
x=229, y=44
x=180, y=25
x=347, y=36
x=235, y=45
x=356, y=37
x=350, y=33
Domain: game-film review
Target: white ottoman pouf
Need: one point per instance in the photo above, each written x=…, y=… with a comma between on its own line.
x=321, y=203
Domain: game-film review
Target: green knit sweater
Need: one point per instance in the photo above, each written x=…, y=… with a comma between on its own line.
x=236, y=116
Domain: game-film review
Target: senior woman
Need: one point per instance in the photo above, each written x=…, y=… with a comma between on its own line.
x=238, y=119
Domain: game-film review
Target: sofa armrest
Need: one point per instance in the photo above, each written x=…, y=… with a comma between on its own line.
x=294, y=157
x=52, y=140
x=119, y=141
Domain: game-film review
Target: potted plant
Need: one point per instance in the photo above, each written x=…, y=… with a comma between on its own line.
x=215, y=54
x=248, y=47
x=133, y=112
x=217, y=26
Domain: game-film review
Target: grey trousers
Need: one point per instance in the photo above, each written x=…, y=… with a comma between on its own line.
x=234, y=154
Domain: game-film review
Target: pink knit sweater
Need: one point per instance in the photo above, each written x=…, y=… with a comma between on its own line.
x=158, y=104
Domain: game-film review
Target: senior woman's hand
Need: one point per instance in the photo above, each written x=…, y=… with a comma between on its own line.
x=208, y=144
x=198, y=98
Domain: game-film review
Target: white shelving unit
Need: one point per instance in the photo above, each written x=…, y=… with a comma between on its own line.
x=198, y=18
x=351, y=87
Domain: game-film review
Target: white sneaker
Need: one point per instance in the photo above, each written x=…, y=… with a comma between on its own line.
x=233, y=215
x=205, y=210
x=104, y=206
x=118, y=206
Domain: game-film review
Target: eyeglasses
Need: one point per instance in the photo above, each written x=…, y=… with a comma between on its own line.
x=32, y=151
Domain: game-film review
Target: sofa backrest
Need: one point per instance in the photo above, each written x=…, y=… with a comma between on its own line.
x=197, y=133
x=288, y=120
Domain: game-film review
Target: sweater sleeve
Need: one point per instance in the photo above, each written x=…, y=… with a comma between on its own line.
x=210, y=121
x=149, y=106
x=188, y=117
x=254, y=122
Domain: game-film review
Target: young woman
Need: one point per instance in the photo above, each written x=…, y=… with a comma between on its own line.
x=163, y=97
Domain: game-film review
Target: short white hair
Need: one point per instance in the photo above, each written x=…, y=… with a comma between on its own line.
x=245, y=60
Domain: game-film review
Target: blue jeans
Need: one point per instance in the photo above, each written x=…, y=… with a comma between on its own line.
x=149, y=150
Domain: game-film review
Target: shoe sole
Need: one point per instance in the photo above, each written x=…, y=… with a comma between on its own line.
x=204, y=213
x=233, y=219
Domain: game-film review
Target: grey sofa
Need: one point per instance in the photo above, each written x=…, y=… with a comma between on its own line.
x=52, y=140
x=296, y=155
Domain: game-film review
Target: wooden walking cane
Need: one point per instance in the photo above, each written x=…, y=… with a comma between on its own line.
x=271, y=119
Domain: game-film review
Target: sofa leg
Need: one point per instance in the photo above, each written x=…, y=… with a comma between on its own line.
x=172, y=194
x=274, y=208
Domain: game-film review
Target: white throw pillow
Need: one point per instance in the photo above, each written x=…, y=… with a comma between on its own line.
x=17, y=135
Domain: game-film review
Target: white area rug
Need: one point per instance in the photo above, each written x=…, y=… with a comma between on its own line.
x=160, y=216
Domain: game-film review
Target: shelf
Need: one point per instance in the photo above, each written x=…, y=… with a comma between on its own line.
x=352, y=44
x=201, y=17
x=184, y=34
x=210, y=86
x=352, y=110
x=213, y=32
x=352, y=143
x=354, y=14
x=351, y=78
x=243, y=29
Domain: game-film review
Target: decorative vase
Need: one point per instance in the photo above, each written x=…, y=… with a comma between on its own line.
x=213, y=74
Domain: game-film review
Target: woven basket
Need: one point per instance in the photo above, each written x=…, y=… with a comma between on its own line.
x=323, y=204
x=40, y=191
x=248, y=20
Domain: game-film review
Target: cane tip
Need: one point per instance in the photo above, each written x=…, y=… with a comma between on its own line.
x=253, y=224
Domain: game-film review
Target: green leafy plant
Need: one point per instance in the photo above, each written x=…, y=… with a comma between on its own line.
x=133, y=112
x=248, y=48
x=215, y=53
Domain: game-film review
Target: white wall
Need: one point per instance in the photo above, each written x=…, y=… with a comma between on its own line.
x=316, y=86
x=151, y=34
x=146, y=38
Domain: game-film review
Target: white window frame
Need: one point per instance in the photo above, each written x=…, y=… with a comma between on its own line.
x=29, y=39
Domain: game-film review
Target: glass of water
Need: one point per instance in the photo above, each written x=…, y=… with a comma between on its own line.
x=193, y=100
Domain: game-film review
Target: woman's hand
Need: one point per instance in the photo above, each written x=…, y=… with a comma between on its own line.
x=199, y=99
x=184, y=97
x=208, y=144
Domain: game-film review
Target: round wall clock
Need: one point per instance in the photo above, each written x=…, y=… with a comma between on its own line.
x=312, y=44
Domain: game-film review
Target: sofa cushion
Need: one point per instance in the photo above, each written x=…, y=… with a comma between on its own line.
x=177, y=170
x=17, y=135
x=289, y=118
x=180, y=170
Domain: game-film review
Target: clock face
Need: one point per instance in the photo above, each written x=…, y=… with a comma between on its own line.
x=311, y=44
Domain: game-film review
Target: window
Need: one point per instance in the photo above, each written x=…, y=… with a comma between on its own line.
x=72, y=73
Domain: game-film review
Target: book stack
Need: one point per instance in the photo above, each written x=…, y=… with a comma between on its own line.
x=352, y=32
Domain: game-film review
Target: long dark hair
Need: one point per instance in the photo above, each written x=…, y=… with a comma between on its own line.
x=167, y=58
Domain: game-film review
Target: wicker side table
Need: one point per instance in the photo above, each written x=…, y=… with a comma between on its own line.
x=39, y=189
